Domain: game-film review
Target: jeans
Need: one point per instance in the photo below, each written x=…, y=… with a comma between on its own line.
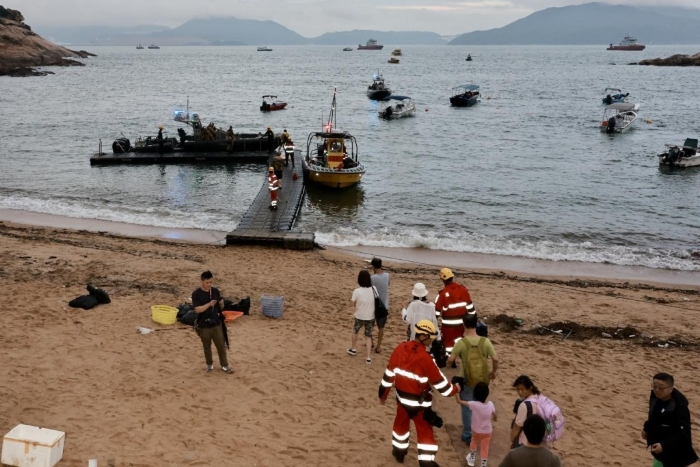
x=467, y=394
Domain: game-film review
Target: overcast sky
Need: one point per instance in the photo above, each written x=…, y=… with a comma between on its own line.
x=307, y=17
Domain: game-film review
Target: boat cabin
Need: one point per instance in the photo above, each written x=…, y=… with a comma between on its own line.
x=335, y=150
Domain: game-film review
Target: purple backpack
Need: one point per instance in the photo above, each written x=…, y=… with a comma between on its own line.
x=551, y=413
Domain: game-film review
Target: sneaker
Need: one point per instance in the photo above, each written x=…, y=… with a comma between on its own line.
x=483, y=462
x=471, y=458
x=369, y=361
x=210, y=368
x=352, y=352
x=227, y=369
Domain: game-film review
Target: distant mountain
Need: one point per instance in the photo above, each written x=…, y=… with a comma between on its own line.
x=352, y=38
x=593, y=23
x=235, y=30
x=100, y=35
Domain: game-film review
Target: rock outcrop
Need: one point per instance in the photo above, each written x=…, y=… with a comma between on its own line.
x=21, y=49
x=674, y=60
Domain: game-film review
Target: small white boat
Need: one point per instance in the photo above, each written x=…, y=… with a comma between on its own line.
x=153, y=46
x=264, y=49
x=140, y=47
x=394, y=107
x=617, y=118
x=681, y=156
x=347, y=49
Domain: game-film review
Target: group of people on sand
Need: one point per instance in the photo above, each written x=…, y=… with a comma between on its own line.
x=451, y=323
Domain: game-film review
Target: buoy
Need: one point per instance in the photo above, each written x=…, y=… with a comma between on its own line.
x=648, y=120
x=426, y=110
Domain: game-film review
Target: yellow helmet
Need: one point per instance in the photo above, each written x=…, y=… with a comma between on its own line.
x=271, y=169
x=425, y=327
x=446, y=273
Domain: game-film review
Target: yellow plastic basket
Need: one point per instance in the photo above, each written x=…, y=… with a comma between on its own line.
x=163, y=314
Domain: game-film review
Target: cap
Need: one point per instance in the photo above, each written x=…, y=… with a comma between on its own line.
x=425, y=327
x=160, y=127
x=446, y=273
x=271, y=169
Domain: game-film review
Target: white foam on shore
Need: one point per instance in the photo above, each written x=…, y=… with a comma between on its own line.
x=547, y=250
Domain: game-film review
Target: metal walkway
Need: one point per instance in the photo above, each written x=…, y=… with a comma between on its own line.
x=261, y=225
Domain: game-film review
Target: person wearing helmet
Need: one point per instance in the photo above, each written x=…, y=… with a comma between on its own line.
x=273, y=185
x=412, y=371
x=451, y=304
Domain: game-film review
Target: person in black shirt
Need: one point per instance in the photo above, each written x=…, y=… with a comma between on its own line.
x=667, y=431
x=207, y=302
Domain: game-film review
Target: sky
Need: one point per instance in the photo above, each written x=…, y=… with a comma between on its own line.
x=309, y=18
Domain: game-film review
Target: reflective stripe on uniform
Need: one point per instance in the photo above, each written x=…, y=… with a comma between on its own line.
x=399, y=445
x=457, y=305
x=408, y=374
x=428, y=447
x=413, y=403
x=401, y=437
x=426, y=457
x=451, y=322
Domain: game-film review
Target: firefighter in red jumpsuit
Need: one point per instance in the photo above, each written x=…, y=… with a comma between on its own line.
x=273, y=186
x=412, y=371
x=452, y=304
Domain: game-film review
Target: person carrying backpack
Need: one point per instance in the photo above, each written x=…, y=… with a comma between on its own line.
x=531, y=401
x=474, y=352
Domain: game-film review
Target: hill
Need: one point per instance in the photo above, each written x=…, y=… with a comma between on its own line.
x=235, y=30
x=593, y=23
x=21, y=48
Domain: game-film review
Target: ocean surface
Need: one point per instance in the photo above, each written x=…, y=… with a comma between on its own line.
x=525, y=173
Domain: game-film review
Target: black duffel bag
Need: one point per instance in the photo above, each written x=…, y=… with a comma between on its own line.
x=84, y=301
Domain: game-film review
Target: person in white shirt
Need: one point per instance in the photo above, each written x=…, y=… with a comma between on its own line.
x=419, y=309
x=363, y=304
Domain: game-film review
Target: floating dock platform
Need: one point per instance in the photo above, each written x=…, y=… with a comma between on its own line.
x=261, y=225
x=146, y=158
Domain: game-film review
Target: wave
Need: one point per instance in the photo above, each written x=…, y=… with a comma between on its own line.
x=536, y=249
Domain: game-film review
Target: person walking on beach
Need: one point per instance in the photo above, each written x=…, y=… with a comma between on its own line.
x=363, y=304
x=533, y=453
x=482, y=414
x=207, y=303
x=419, y=309
x=526, y=406
x=473, y=351
x=380, y=281
x=452, y=303
x=667, y=431
x=412, y=371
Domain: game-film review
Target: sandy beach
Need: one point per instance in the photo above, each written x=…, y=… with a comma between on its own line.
x=297, y=398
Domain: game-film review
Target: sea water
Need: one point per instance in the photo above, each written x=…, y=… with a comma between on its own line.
x=526, y=172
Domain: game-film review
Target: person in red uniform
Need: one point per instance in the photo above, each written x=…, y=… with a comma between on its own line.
x=451, y=304
x=412, y=371
x=273, y=186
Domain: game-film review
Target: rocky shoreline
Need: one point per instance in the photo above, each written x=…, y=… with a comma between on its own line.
x=21, y=49
x=673, y=60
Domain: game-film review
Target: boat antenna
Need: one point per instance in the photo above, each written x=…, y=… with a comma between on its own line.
x=331, y=116
x=187, y=115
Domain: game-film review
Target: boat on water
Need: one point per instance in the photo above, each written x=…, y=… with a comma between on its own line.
x=613, y=96
x=332, y=156
x=465, y=95
x=396, y=53
x=378, y=90
x=270, y=103
x=618, y=118
x=139, y=47
x=628, y=43
x=264, y=49
x=469, y=58
x=371, y=45
x=681, y=156
x=394, y=107
x=393, y=60
x=347, y=49
x=153, y=46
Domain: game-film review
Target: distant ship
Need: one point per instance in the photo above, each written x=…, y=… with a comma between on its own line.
x=371, y=45
x=628, y=43
x=153, y=46
x=139, y=47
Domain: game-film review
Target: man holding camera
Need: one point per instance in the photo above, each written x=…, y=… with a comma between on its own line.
x=207, y=303
x=412, y=371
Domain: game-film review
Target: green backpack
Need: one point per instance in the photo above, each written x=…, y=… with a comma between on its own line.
x=475, y=366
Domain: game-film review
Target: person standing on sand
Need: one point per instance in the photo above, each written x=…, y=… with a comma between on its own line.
x=533, y=453
x=207, y=303
x=452, y=304
x=482, y=414
x=363, y=303
x=667, y=430
x=419, y=309
x=380, y=281
x=412, y=371
x=473, y=351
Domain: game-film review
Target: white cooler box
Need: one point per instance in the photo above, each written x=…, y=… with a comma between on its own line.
x=31, y=446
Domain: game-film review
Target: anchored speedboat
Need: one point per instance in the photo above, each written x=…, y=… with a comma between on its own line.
x=681, y=156
x=378, y=90
x=618, y=118
x=394, y=107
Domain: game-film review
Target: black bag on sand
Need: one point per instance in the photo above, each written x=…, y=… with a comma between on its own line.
x=243, y=305
x=99, y=294
x=189, y=318
x=84, y=301
x=183, y=309
x=437, y=350
x=482, y=329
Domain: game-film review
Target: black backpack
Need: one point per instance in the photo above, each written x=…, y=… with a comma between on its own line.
x=99, y=294
x=84, y=301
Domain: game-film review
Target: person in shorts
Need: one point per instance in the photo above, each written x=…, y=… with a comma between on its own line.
x=363, y=304
x=380, y=281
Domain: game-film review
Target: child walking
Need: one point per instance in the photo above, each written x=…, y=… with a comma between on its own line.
x=482, y=414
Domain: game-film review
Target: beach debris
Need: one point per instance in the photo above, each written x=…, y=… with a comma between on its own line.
x=605, y=334
x=631, y=336
x=92, y=463
x=142, y=330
